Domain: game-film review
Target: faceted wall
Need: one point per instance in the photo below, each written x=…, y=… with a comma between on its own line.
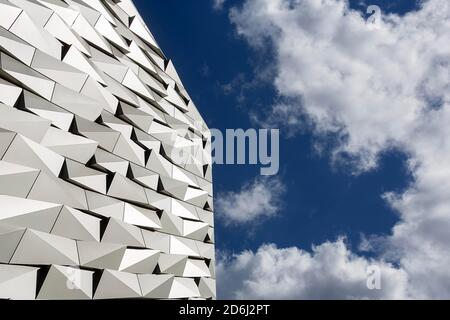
x=105, y=171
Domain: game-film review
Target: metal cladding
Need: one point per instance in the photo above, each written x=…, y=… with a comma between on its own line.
x=105, y=170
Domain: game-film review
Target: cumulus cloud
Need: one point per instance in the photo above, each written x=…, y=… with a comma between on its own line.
x=255, y=200
x=348, y=77
x=375, y=89
x=331, y=271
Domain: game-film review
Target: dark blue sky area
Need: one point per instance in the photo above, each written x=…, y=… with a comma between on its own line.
x=321, y=203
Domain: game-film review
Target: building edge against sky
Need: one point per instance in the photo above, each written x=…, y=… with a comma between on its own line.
x=105, y=170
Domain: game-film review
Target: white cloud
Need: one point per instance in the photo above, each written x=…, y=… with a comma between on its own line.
x=331, y=271
x=255, y=200
x=350, y=78
x=218, y=4
x=376, y=89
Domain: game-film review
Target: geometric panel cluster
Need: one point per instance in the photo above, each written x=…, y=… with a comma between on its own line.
x=105, y=162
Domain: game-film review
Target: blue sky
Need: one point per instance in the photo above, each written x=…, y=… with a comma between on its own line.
x=322, y=201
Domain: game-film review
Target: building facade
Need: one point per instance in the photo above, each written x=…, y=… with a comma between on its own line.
x=105, y=170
